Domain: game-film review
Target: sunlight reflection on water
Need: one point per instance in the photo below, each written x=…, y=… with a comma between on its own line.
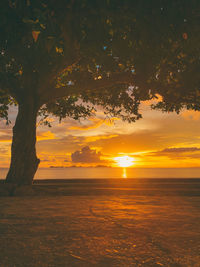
x=124, y=175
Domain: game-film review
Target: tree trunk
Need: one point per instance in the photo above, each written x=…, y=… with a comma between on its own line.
x=24, y=162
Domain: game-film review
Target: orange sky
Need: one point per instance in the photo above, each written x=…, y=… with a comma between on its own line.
x=157, y=140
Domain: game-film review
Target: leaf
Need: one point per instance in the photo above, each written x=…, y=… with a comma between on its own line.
x=35, y=35
x=42, y=26
x=185, y=36
x=59, y=50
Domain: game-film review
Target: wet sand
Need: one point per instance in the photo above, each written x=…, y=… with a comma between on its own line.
x=102, y=223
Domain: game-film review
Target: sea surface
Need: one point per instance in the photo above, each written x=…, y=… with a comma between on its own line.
x=98, y=173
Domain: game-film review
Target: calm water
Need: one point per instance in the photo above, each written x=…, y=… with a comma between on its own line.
x=75, y=173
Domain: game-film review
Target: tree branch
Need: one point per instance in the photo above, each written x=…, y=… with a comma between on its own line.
x=86, y=85
x=71, y=48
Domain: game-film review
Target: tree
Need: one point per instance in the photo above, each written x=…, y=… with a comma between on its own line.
x=64, y=57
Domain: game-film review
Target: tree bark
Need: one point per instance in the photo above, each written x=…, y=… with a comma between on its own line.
x=24, y=162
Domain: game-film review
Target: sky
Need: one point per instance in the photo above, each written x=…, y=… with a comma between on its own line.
x=157, y=140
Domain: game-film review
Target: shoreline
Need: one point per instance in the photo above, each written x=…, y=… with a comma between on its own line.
x=114, y=187
x=111, y=180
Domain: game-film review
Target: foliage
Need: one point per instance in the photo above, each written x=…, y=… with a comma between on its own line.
x=66, y=107
x=69, y=54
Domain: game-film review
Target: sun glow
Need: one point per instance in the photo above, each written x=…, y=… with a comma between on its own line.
x=124, y=161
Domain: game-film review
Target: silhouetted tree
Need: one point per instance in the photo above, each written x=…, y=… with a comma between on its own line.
x=61, y=57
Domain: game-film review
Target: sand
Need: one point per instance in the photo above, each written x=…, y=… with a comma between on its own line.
x=133, y=223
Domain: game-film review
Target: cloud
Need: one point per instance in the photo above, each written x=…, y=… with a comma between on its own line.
x=91, y=123
x=5, y=138
x=180, y=149
x=191, y=115
x=45, y=136
x=63, y=145
x=128, y=143
x=3, y=150
x=5, y=134
x=86, y=155
x=177, y=153
x=100, y=137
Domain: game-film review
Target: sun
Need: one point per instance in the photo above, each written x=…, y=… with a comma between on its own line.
x=124, y=161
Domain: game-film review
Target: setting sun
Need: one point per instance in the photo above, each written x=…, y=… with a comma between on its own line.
x=124, y=161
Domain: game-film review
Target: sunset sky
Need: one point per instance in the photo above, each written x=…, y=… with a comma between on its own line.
x=157, y=140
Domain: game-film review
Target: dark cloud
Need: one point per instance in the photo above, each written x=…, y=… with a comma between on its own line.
x=5, y=137
x=180, y=149
x=177, y=153
x=46, y=159
x=86, y=155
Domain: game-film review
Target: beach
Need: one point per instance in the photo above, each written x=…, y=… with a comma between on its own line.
x=107, y=222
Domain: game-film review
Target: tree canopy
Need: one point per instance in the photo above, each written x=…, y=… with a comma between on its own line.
x=67, y=56
x=94, y=51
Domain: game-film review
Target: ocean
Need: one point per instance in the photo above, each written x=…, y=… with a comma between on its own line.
x=98, y=173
